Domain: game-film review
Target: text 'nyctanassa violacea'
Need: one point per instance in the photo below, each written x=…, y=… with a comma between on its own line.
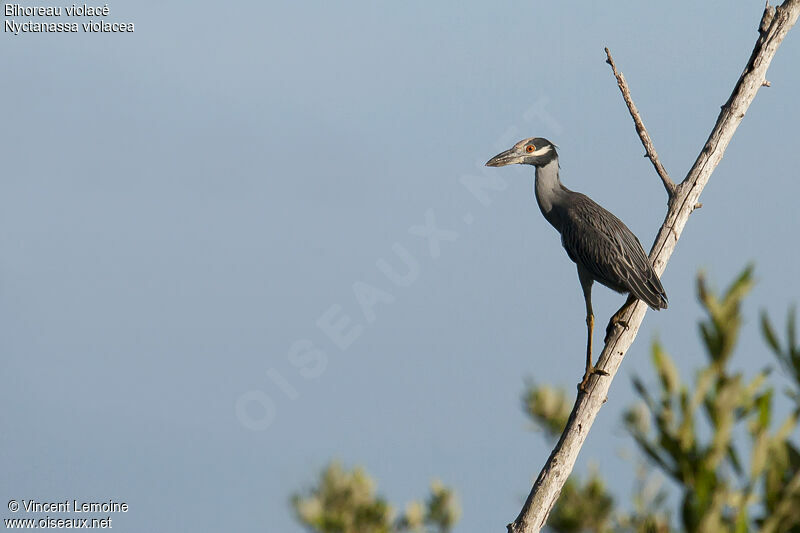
x=602, y=247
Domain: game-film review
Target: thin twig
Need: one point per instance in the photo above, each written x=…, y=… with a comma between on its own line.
x=640, y=129
x=559, y=465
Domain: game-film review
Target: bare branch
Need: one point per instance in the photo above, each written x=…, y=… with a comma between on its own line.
x=640, y=129
x=772, y=29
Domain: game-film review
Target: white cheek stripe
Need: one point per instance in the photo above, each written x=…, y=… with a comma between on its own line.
x=542, y=151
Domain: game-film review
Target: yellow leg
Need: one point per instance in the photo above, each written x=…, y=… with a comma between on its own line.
x=586, y=285
x=590, y=369
x=616, y=320
x=590, y=327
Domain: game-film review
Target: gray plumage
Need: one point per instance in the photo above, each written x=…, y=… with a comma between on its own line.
x=599, y=243
x=602, y=247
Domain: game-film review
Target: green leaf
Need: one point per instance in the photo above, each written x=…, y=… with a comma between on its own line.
x=758, y=456
x=667, y=371
x=764, y=404
x=769, y=333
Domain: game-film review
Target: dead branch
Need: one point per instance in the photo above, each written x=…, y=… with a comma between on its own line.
x=640, y=129
x=773, y=27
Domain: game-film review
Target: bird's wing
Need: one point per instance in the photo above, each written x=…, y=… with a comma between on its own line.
x=600, y=243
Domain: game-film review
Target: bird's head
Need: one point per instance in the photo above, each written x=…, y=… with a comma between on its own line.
x=535, y=151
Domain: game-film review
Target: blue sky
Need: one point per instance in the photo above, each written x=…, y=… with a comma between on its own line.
x=181, y=205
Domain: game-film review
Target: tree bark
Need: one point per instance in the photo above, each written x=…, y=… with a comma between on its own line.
x=774, y=25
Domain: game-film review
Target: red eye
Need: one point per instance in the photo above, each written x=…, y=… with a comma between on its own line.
x=530, y=148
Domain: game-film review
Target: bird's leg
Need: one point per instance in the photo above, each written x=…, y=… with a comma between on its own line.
x=589, y=368
x=586, y=284
x=616, y=320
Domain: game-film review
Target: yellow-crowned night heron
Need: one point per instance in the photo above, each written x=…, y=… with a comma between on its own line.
x=604, y=249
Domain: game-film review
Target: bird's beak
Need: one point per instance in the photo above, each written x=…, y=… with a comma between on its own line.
x=503, y=158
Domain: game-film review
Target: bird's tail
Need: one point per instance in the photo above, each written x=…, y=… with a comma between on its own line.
x=653, y=294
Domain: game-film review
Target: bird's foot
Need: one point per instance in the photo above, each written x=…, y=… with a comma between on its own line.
x=612, y=325
x=592, y=370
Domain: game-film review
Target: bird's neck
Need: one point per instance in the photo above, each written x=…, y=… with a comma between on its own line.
x=549, y=191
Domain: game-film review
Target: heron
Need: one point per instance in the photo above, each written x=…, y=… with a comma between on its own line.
x=602, y=247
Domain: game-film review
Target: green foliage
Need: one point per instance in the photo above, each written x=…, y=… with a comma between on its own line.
x=789, y=355
x=549, y=407
x=716, y=438
x=721, y=480
x=439, y=513
x=583, y=507
x=735, y=467
x=649, y=500
x=345, y=502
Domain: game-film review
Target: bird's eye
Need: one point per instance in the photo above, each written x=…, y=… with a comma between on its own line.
x=530, y=148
